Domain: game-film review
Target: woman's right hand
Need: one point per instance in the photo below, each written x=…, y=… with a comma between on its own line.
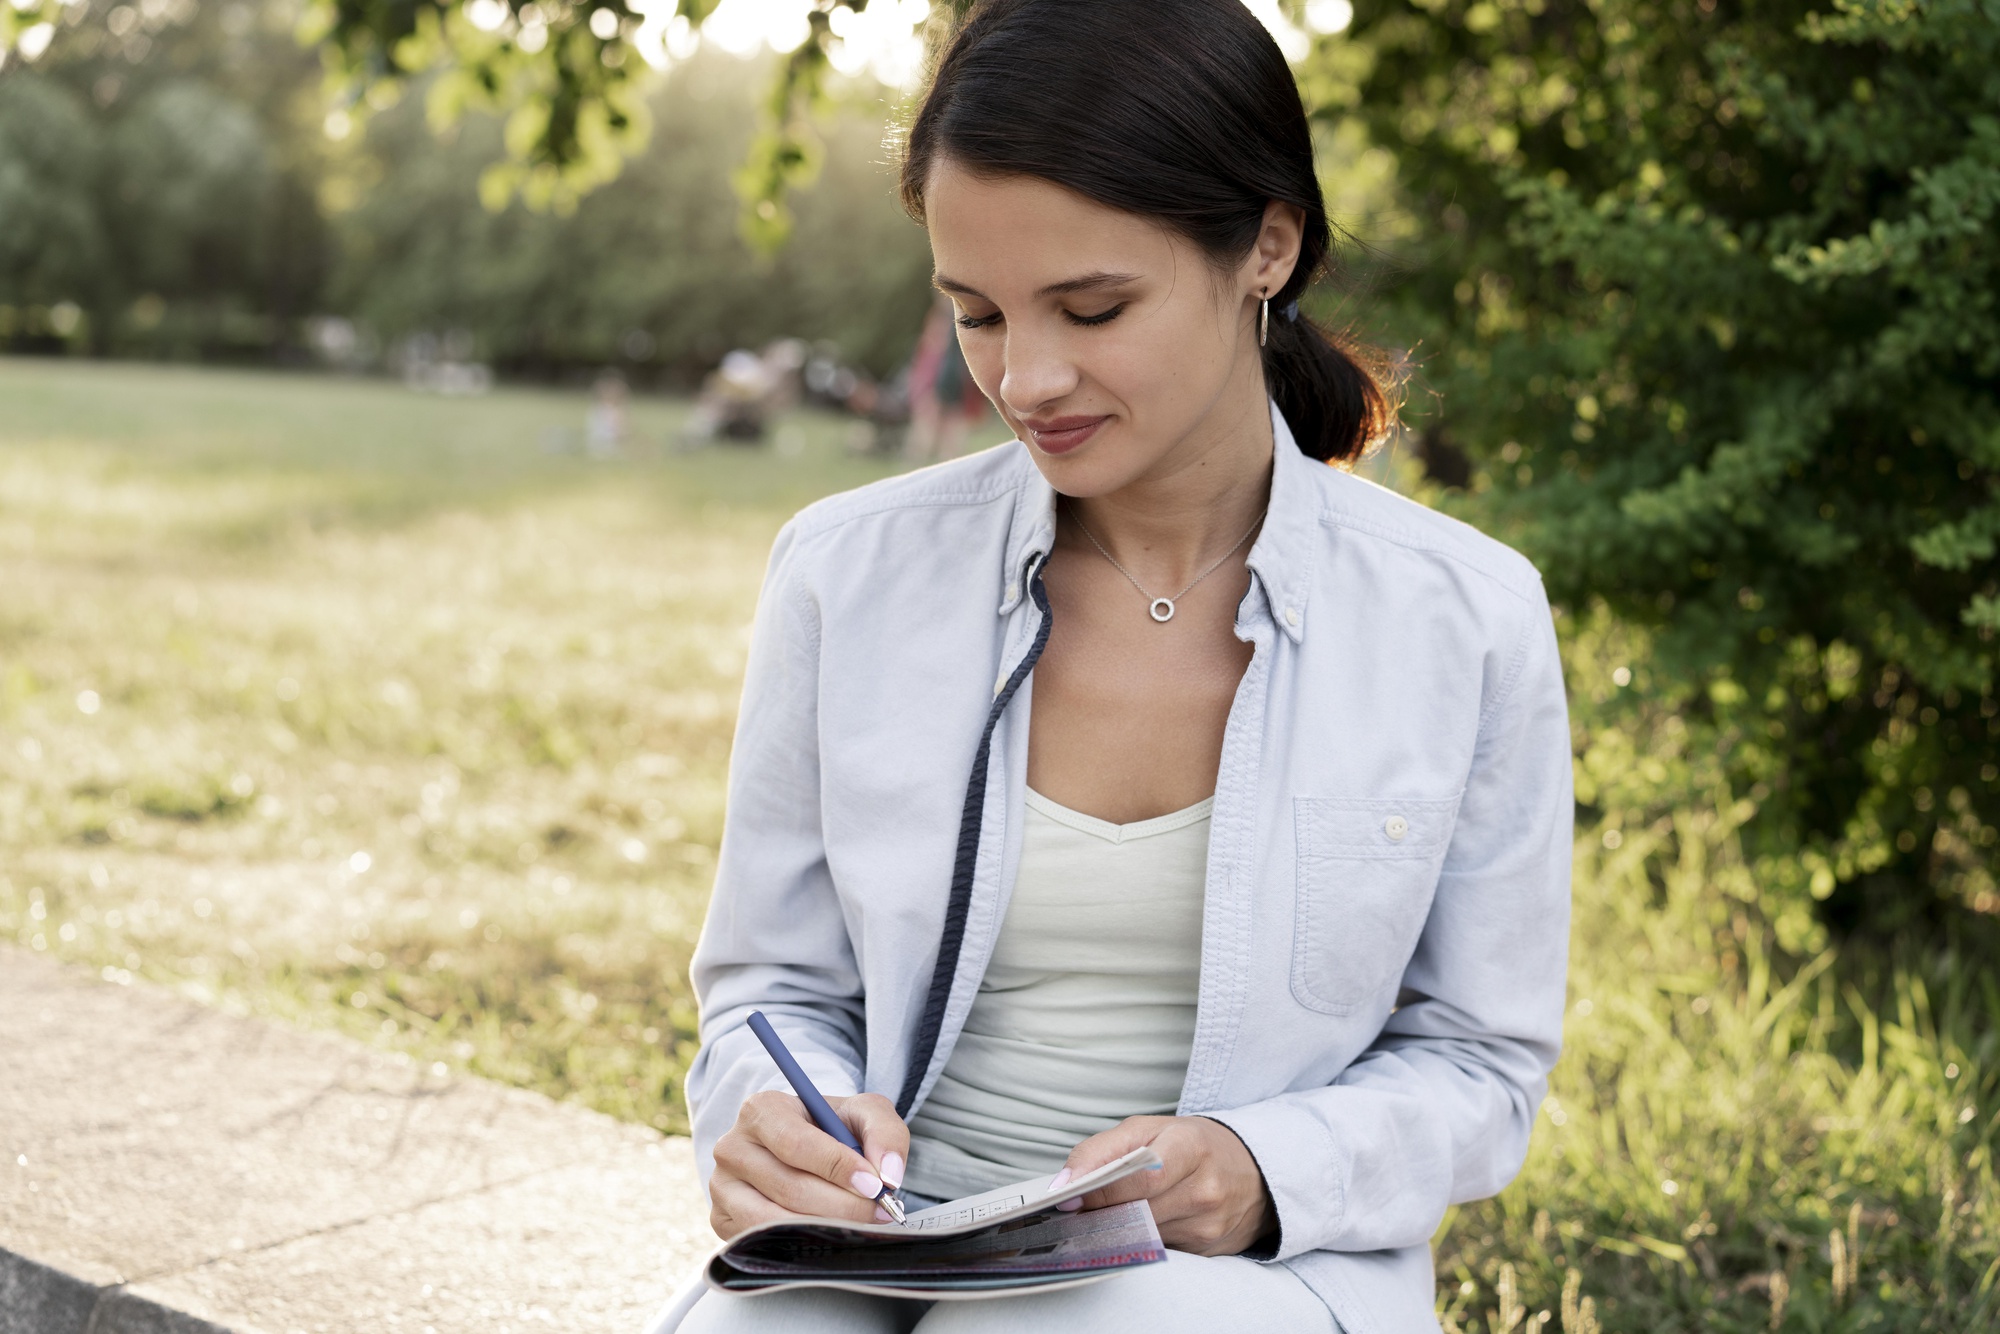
x=775, y=1163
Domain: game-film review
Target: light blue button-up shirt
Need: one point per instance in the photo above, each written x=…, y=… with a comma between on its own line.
x=1387, y=916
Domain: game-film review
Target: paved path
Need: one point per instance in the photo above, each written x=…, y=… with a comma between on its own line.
x=166, y=1168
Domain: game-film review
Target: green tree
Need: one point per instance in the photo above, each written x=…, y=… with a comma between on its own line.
x=175, y=172
x=52, y=246
x=568, y=75
x=650, y=261
x=1706, y=292
x=170, y=164
x=186, y=176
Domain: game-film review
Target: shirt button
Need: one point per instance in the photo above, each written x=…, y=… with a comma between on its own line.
x=1291, y=617
x=1000, y=683
x=1395, y=827
x=1013, y=590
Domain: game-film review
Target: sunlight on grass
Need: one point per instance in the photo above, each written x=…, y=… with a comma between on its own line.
x=1725, y=1148
x=1752, y=1127
x=368, y=712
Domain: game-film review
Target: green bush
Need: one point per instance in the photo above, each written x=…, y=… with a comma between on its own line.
x=1705, y=297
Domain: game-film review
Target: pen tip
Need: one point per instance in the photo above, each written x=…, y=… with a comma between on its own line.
x=893, y=1205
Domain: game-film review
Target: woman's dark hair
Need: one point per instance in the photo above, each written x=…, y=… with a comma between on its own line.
x=1183, y=111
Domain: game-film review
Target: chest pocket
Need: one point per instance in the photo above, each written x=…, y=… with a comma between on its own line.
x=1367, y=870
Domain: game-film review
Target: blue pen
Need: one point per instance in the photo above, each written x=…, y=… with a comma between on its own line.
x=823, y=1116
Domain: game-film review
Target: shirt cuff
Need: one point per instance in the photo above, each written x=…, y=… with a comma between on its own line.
x=1295, y=1153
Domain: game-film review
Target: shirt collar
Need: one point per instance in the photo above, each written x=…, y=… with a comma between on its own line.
x=1031, y=535
x=1282, y=555
x=1281, y=558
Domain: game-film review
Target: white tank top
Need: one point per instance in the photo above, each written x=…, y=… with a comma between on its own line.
x=1086, y=1014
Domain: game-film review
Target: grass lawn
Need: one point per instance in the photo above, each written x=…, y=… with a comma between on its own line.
x=355, y=707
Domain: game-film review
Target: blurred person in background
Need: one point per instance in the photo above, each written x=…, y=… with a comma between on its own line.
x=1145, y=781
x=945, y=402
x=739, y=397
x=605, y=425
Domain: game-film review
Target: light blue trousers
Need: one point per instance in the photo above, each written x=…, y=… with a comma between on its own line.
x=1189, y=1294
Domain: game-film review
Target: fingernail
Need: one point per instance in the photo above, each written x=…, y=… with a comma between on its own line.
x=866, y=1184
x=1070, y=1206
x=892, y=1168
x=882, y=1215
x=1059, y=1180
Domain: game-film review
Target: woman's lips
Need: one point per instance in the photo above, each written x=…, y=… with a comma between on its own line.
x=1063, y=434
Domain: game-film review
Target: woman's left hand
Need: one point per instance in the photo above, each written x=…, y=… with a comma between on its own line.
x=1210, y=1198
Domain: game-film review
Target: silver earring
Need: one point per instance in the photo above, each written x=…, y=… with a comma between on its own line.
x=1264, y=321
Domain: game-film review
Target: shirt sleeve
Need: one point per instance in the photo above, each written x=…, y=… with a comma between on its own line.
x=775, y=939
x=1438, y=1109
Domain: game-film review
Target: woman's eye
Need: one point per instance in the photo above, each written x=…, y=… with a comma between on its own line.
x=1102, y=317
x=978, y=321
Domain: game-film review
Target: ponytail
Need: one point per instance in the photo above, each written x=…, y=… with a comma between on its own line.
x=1333, y=403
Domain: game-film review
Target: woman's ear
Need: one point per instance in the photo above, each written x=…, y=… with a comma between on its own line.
x=1279, y=240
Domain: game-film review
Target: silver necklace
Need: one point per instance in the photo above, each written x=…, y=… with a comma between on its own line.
x=1161, y=609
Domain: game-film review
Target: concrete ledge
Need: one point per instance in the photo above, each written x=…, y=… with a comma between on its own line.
x=169, y=1169
x=35, y=1299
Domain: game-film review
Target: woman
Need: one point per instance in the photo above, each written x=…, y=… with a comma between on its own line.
x=1146, y=780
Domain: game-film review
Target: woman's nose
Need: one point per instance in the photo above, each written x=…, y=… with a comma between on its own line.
x=1038, y=371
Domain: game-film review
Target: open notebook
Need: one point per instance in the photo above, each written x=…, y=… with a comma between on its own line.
x=981, y=1246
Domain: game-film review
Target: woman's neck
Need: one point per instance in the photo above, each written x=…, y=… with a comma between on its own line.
x=1207, y=492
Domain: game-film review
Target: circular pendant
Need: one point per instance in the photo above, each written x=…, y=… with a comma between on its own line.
x=1162, y=609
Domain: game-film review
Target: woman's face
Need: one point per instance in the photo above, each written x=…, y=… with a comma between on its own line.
x=1110, y=344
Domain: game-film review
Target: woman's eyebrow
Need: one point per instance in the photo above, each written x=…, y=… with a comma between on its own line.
x=1089, y=282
